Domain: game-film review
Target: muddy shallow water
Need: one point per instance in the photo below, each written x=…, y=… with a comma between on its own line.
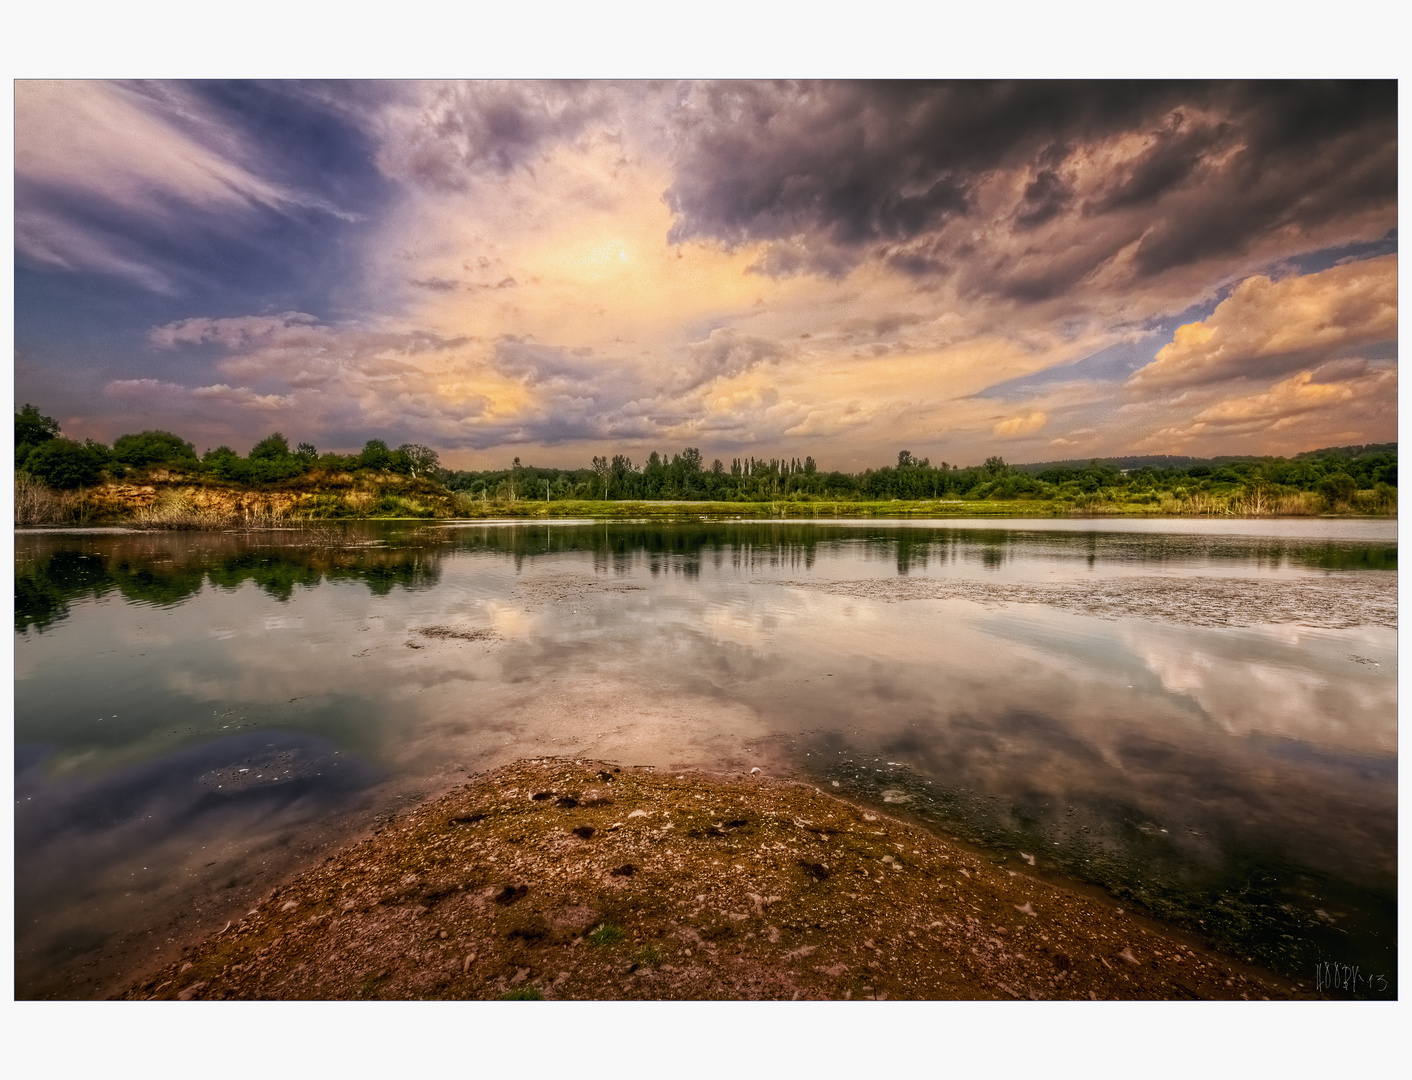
x=1198, y=718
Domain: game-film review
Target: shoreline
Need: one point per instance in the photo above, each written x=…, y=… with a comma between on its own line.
x=631, y=882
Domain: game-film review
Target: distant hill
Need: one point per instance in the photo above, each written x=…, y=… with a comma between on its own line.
x=1169, y=461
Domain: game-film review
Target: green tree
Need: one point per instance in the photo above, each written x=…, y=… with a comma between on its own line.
x=64, y=463
x=32, y=428
x=422, y=459
x=271, y=448
x=375, y=455
x=1336, y=488
x=152, y=448
x=225, y=464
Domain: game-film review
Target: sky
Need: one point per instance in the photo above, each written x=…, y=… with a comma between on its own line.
x=839, y=269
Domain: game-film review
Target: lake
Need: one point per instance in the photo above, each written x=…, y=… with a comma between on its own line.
x=1197, y=716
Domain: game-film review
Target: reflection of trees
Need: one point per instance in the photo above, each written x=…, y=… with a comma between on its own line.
x=52, y=571
x=49, y=579
x=679, y=547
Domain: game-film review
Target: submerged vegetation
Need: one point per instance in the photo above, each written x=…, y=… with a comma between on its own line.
x=155, y=479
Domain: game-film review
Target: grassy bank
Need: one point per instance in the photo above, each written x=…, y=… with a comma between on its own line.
x=171, y=500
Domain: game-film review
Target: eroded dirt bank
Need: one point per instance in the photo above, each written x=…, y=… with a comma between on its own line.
x=567, y=879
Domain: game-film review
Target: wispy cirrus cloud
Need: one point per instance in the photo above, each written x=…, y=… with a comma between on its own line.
x=115, y=178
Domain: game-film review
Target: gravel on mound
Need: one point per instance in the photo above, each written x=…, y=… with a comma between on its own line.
x=563, y=879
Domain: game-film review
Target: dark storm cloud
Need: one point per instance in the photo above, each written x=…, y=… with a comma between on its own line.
x=832, y=173
x=863, y=162
x=1046, y=197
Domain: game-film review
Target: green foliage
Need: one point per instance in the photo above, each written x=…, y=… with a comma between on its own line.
x=271, y=448
x=32, y=428
x=421, y=460
x=1357, y=479
x=375, y=455
x=223, y=463
x=66, y=464
x=153, y=448
x=1337, y=488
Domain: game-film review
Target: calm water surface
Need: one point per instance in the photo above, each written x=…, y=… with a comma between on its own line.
x=1197, y=716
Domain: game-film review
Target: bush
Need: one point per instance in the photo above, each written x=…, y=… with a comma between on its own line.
x=225, y=464
x=375, y=455
x=65, y=464
x=271, y=448
x=153, y=448
x=1337, y=488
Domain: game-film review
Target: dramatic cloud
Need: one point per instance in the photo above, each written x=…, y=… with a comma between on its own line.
x=1267, y=327
x=838, y=269
x=1335, y=402
x=1340, y=386
x=956, y=178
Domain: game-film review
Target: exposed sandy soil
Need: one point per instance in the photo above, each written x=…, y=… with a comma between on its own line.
x=567, y=879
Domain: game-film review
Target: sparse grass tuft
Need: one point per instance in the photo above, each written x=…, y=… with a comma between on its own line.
x=606, y=934
x=648, y=956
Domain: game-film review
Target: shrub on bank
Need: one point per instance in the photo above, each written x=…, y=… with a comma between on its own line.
x=65, y=464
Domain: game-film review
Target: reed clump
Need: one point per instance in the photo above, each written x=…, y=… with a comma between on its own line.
x=38, y=504
x=178, y=509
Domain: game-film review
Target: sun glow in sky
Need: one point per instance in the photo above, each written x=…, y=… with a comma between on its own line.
x=554, y=270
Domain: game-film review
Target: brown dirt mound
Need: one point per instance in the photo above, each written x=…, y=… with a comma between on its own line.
x=569, y=879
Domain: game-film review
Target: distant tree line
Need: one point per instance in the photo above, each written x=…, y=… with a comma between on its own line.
x=65, y=464
x=1334, y=474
